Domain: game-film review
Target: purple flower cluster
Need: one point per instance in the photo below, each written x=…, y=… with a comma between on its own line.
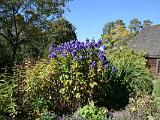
x=80, y=51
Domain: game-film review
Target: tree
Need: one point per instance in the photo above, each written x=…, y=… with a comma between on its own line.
x=24, y=22
x=107, y=27
x=119, y=22
x=135, y=26
x=147, y=22
x=61, y=31
x=117, y=38
x=110, y=25
x=4, y=54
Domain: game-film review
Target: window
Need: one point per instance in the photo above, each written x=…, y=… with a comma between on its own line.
x=158, y=65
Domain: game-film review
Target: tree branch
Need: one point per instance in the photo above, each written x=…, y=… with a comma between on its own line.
x=5, y=37
x=15, y=23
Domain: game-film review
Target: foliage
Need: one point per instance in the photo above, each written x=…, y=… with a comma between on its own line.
x=84, y=67
x=48, y=116
x=144, y=107
x=91, y=112
x=8, y=107
x=61, y=31
x=68, y=80
x=117, y=38
x=110, y=25
x=75, y=116
x=23, y=24
x=157, y=88
x=40, y=90
x=119, y=22
x=46, y=89
x=131, y=79
x=135, y=25
x=107, y=27
x=147, y=22
x=4, y=54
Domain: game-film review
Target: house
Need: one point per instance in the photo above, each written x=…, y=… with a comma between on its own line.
x=148, y=40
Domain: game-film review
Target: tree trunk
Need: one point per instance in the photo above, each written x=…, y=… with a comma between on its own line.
x=14, y=51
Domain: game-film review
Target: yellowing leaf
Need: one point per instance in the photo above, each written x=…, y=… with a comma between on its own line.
x=95, y=83
x=91, y=85
x=78, y=95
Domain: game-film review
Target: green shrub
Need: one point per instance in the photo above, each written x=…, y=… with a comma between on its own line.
x=156, y=90
x=41, y=87
x=91, y=112
x=82, y=67
x=68, y=80
x=131, y=79
x=75, y=116
x=45, y=115
x=47, y=86
x=8, y=106
x=143, y=108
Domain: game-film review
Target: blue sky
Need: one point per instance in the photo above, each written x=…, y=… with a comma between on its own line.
x=89, y=16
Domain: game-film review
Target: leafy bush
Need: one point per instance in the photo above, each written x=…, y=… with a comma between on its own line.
x=8, y=107
x=144, y=107
x=131, y=79
x=68, y=80
x=91, y=112
x=75, y=116
x=48, y=116
x=157, y=88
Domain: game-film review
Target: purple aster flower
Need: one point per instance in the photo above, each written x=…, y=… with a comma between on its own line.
x=64, y=55
x=91, y=53
x=68, y=49
x=114, y=69
x=88, y=46
x=93, y=65
x=60, y=46
x=58, y=50
x=100, y=52
x=98, y=44
x=81, y=46
x=74, y=53
x=49, y=56
x=87, y=41
x=75, y=47
x=102, y=58
x=53, y=55
x=80, y=57
x=104, y=48
x=93, y=43
x=106, y=66
x=72, y=42
x=52, y=46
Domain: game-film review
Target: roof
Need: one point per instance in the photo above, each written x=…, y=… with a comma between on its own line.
x=147, y=40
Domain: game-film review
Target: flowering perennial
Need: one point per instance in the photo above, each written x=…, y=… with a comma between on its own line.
x=81, y=51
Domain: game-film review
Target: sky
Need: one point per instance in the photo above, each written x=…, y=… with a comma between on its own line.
x=90, y=16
